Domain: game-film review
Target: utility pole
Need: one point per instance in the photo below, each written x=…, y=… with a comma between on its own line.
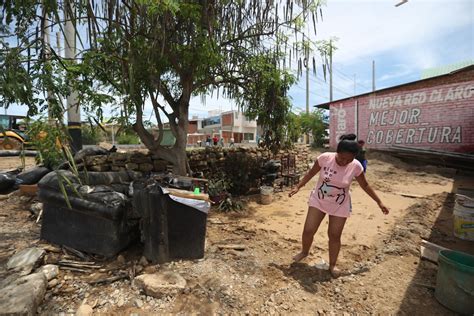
x=47, y=52
x=307, y=93
x=73, y=108
x=373, y=75
x=354, y=84
x=330, y=70
x=307, y=86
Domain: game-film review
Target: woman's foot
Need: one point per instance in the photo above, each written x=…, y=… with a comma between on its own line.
x=300, y=256
x=335, y=272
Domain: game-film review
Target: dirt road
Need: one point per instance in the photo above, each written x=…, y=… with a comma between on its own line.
x=383, y=272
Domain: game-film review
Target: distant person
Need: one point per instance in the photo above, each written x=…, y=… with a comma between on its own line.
x=231, y=143
x=208, y=141
x=215, y=140
x=331, y=196
x=361, y=155
x=221, y=141
x=199, y=143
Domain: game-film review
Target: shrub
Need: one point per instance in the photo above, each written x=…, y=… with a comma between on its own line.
x=128, y=139
x=90, y=135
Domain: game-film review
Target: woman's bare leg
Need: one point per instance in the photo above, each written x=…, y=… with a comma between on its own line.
x=336, y=225
x=311, y=225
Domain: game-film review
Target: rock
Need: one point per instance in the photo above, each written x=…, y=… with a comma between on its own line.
x=120, y=302
x=143, y=261
x=36, y=208
x=96, y=160
x=50, y=271
x=90, y=151
x=131, y=166
x=26, y=260
x=337, y=290
x=53, y=283
x=138, y=303
x=84, y=310
x=116, y=157
x=159, y=165
x=99, y=168
x=118, y=168
x=24, y=295
x=160, y=283
x=145, y=167
x=121, y=259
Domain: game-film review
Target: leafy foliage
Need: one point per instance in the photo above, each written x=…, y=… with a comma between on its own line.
x=162, y=51
x=230, y=204
x=128, y=139
x=48, y=139
x=91, y=135
x=265, y=98
x=312, y=123
x=242, y=171
x=293, y=129
x=218, y=186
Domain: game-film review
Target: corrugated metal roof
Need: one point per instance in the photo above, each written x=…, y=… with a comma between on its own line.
x=446, y=69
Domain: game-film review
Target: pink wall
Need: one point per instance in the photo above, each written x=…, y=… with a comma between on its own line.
x=436, y=114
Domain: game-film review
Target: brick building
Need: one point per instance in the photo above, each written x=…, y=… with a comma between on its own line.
x=226, y=125
x=433, y=113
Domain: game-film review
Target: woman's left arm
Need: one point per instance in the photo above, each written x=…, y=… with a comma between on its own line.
x=368, y=189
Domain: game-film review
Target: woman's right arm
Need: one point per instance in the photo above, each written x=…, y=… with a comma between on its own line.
x=311, y=173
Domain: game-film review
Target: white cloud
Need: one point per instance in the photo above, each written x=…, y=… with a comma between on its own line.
x=412, y=36
x=368, y=28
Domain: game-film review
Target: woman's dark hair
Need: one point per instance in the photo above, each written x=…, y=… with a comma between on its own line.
x=348, y=146
x=348, y=137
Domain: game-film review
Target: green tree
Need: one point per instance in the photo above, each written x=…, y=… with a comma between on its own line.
x=163, y=52
x=266, y=99
x=312, y=123
x=293, y=129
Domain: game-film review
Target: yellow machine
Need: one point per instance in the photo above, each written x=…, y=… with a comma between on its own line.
x=11, y=137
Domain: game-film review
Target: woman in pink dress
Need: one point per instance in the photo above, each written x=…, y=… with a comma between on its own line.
x=331, y=196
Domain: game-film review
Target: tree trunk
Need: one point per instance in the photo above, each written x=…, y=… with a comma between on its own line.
x=180, y=164
x=179, y=123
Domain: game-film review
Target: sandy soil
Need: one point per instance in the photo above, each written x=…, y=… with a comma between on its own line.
x=9, y=163
x=380, y=256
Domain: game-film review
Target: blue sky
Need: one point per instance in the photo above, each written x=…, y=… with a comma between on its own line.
x=402, y=40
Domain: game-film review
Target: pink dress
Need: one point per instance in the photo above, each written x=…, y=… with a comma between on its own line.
x=331, y=194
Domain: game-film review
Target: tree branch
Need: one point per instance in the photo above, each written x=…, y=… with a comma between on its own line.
x=156, y=108
x=144, y=135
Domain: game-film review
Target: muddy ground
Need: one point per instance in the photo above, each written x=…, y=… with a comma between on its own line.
x=380, y=254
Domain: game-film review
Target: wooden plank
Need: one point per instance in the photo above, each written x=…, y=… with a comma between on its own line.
x=410, y=195
x=239, y=247
x=187, y=194
x=430, y=251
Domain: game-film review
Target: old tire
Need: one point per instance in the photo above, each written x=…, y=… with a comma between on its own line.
x=9, y=143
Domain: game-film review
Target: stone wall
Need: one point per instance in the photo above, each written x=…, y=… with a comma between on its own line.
x=208, y=160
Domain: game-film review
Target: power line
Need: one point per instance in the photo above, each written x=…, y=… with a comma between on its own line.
x=312, y=92
x=351, y=79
